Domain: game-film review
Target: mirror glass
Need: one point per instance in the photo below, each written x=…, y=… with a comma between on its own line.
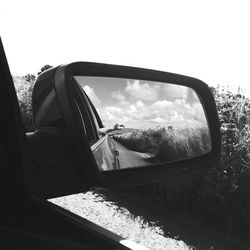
x=141, y=123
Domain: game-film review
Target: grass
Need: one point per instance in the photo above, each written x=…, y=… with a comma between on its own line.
x=167, y=144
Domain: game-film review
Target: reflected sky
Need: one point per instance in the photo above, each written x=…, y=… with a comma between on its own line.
x=143, y=104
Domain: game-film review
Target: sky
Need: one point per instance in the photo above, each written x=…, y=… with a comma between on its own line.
x=208, y=40
x=143, y=104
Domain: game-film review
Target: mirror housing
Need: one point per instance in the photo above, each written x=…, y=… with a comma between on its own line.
x=61, y=111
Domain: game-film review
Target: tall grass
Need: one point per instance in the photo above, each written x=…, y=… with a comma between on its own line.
x=225, y=191
x=167, y=144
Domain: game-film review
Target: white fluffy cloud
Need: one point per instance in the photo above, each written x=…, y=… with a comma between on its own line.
x=160, y=113
x=92, y=95
x=118, y=96
x=142, y=91
x=174, y=91
x=163, y=104
x=139, y=106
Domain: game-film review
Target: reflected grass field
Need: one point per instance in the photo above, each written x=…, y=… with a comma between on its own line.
x=167, y=144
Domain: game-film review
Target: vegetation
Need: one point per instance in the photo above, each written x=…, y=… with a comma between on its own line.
x=167, y=144
x=224, y=193
x=24, y=86
x=45, y=67
x=221, y=196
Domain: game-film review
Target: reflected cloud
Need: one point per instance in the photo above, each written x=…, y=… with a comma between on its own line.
x=143, y=105
x=92, y=95
x=118, y=96
x=142, y=91
x=175, y=91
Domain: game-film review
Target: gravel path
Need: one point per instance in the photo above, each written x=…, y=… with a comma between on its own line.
x=119, y=220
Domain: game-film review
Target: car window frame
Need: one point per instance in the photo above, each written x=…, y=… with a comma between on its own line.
x=88, y=118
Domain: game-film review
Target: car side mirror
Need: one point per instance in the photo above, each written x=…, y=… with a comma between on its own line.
x=129, y=126
x=164, y=122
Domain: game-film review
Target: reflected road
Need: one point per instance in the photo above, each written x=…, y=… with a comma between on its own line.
x=128, y=158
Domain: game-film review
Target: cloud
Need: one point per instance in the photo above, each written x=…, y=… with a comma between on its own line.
x=162, y=113
x=142, y=91
x=92, y=95
x=199, y=112
x=192, y=96
x=118, y=96
x=139, y=104
x=124, y=104
x=174, y=91
x=114, y=109
x=157, y=120
x=162, y=104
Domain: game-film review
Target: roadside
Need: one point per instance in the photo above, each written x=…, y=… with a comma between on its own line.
x=144, y=223
x=196, y=234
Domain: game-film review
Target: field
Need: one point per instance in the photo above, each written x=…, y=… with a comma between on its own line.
x=167, y=144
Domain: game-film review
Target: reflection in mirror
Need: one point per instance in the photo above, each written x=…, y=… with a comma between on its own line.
x=145, y=122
